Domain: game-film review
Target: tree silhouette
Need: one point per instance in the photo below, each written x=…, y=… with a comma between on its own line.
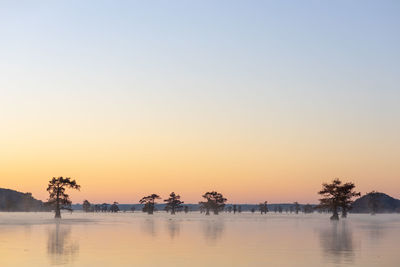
x=149, y=203
x=173, y=202
x=114, y=207
x=86, y=206
x=263, y=207
x=58, y=199
x=97, y=208
x=330, y=198
x=296, y=207
x=214, y=201
x=337, y=195
x=104, y=207
x=346, y=194
x=308, y=208
x=186, y=209
x=234, y=209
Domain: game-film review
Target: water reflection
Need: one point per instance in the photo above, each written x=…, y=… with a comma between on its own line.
x=375, y=230
x=173, y=227
x=148, y=226
x=60, y=248
x=194, y=239
x=337, y=242
x=213, y=230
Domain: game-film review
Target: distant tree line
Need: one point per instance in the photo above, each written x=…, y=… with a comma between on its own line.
x=335, y=197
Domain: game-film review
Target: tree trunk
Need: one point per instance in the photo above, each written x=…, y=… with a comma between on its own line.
x=207, y=211
x=173, y=210
x=344, y=212
x=58, y=212
x=335, y=215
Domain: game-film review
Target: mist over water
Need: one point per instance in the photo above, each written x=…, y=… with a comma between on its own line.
x=126, y=239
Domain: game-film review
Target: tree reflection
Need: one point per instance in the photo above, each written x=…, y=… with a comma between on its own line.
x=173, y=227
x=337, y=243
x=60, y=248
x=213, y=230
x=148, y=226
x=375, y=232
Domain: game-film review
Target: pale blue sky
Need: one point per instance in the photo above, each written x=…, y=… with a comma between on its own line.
x=318, y=73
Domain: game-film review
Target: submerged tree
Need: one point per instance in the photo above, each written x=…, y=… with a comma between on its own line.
x=58, y=199
x=234, y=209
x=104, y=207
x=114, y=207
x=86, y=206
x=263, y=207
x=296, y=207
x=173, y=203
x=97, y=208
x=330, y=198
x=308, y=209
x=280, y=209
x=346, y=195
x=214, y=201
x=337, y=195
x=149, y=203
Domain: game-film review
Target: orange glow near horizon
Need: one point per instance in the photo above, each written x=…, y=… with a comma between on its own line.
x=126, y=169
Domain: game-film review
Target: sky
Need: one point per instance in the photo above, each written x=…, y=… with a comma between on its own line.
x=259, y=100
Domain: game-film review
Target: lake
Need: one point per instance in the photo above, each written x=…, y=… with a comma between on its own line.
x=193, y=239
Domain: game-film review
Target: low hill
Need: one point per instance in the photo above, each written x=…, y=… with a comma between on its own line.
x=383, y=203
x=11, y=200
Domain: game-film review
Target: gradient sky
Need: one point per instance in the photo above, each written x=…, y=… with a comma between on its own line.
x=261, y=100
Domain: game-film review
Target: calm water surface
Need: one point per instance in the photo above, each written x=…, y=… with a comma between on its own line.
x=126, y=239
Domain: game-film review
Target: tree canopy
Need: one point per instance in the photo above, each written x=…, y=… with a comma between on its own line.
x=263, y=207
